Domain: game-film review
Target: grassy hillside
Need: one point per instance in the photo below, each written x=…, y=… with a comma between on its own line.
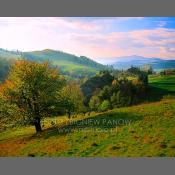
x=166, y=82
x=61, y=56
x=69, y=64
x=143, y=130
x=161, y=86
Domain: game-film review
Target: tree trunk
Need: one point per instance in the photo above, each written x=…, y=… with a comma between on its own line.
x=69, y=115
x=37, y=125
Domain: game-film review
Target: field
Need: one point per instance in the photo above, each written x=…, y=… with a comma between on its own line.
x=163, y=82
x=160, y=87
x=145, y=130
x=75, y=68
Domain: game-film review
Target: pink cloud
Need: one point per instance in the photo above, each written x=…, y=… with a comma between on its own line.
x=82, y=37
x=144, y=42
x=76, y=24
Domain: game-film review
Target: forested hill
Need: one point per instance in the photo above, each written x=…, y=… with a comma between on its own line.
x=69, y=64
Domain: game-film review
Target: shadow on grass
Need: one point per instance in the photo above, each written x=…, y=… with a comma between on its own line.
x=105, y=121
x=108, y=120
x=156, y=94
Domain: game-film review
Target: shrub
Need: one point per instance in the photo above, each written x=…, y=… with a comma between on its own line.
x=105, y=105
x=119, y=99
x=94, y=103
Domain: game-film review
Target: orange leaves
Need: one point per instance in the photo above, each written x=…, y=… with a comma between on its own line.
x=9, y=84
x=32, y=86
x=6, y=87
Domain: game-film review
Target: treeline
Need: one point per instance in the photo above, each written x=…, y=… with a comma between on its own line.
x=33, y=91
x=168, y=72
x=105, y=91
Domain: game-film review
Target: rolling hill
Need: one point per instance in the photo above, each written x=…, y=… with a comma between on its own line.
x=80, y=66
x=68, y=64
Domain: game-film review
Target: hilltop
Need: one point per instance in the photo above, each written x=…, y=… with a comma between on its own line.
x=69, y=64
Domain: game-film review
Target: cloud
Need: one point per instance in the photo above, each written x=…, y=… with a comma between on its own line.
x=138, y=41
x=94, y=37
x=77, y=24
x=51, y=22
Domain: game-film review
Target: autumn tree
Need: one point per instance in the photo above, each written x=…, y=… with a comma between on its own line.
x=71, y=99
x=94, y=103
x=33, y=88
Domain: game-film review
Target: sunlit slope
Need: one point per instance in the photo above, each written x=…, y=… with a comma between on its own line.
x=69, y=64
x=66, y=62
x=166, y=82
x=143, y=130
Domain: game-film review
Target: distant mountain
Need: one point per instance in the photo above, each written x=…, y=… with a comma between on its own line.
x=69, y=64
x=138, y=61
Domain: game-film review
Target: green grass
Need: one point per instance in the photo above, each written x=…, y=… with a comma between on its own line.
x=143, y=130
x=67, y=66
x=68, y=63
x=160, y=87
x=166, y=82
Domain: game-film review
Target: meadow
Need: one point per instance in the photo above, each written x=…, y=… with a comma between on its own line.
x=144, y=130
x=165, y=82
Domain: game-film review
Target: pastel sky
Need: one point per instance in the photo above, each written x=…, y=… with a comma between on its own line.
x=95, y=37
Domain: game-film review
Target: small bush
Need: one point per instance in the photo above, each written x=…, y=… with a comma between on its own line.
x=104, y=106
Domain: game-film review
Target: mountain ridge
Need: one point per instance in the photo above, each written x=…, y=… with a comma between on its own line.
x=125, y=62
x=70, y=63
